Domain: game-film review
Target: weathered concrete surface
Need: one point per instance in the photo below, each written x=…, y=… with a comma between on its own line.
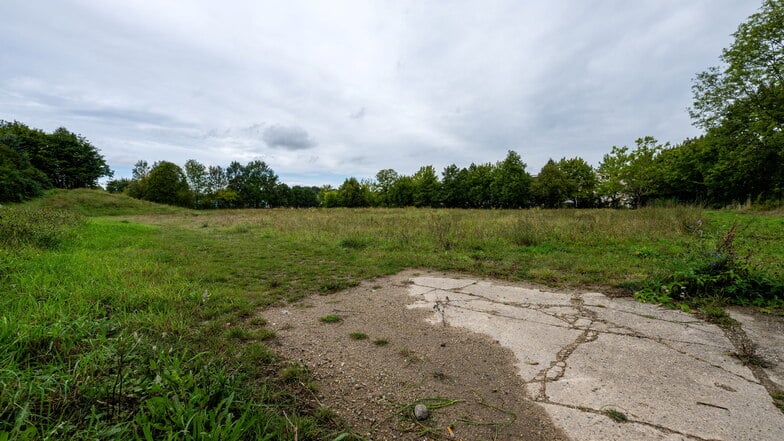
x=671, y=375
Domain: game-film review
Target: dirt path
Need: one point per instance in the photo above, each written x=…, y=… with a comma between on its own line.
x=374, y=387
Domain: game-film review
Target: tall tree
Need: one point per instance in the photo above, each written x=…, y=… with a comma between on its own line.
x=741, y=105
x=581, y=179
x=19, y=180
x=551, y=186
x=611, y=186
x=196, y=175
x=641, y=173
x=385, y=179
x=352, y=194
x=479, y=182
x=454, y=181
x=510, y=184
x=426, y=187
x=166, y=184
x=254, y=183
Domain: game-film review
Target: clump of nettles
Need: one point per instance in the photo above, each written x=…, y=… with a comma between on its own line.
x=721, y=273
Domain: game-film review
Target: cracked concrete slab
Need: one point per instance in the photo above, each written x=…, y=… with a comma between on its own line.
x=669, y=374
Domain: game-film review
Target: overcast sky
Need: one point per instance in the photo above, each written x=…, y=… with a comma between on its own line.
x=323, y=90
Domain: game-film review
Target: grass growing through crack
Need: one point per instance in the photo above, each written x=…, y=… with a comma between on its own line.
x=778, y=399
x=358, y=336
x=129, y=323
x=331, y=318
x=617, y=416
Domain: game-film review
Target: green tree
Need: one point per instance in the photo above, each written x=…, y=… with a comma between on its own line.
x=741, y=105
x=454, y=182
x=352, y=194
x=510, y=184
x=426, y=187
x=582, y=181
x=67, y=159
x=19, y=180
x=401, y=193
x=254, y=183
x=630, y=177
x=682, y=171
x=118, y=185
x=303, y=197
x=479, y=181
x=385, y=179
x=166, y=184
x=641, y=174
x=551, y=186
x=611, y=186
x=196, y=175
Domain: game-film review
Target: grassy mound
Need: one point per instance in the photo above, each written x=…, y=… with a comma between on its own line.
x=101, y=203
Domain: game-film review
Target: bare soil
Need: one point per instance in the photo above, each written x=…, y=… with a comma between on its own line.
x=374, y=387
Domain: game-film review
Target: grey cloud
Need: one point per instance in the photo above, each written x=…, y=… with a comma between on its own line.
x=359, y=114
x=287, y=137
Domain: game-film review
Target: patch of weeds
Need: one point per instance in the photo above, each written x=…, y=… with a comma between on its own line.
x=719, y=273
x=358, y=336
x=258, y=321
x=715, y=313
x=295, y=373
x=644, y=253
x=337, y=285
x=617, y=416
x=239, y=333
x=331, y=318
x=381, y=342
x=257, y=354
x=264, y=334
x=778, y=399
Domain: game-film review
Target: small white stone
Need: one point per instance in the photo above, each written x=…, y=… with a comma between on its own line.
x=421, y=412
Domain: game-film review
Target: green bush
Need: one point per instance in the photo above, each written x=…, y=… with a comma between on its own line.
x=721, y=273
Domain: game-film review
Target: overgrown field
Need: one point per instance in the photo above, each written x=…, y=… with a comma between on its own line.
x=140, y=323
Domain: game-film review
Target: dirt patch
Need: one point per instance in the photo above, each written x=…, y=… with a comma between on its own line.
x=468, y=380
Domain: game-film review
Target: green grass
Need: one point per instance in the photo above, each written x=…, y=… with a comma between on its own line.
x=618, y=417
x=331, y=318
x=358, y=336
x=128, y=320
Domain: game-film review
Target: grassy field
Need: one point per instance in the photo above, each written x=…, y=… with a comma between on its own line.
x=129, y=320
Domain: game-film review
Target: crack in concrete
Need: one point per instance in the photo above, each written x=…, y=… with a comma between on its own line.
x=584, y=312
x=663, y=429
